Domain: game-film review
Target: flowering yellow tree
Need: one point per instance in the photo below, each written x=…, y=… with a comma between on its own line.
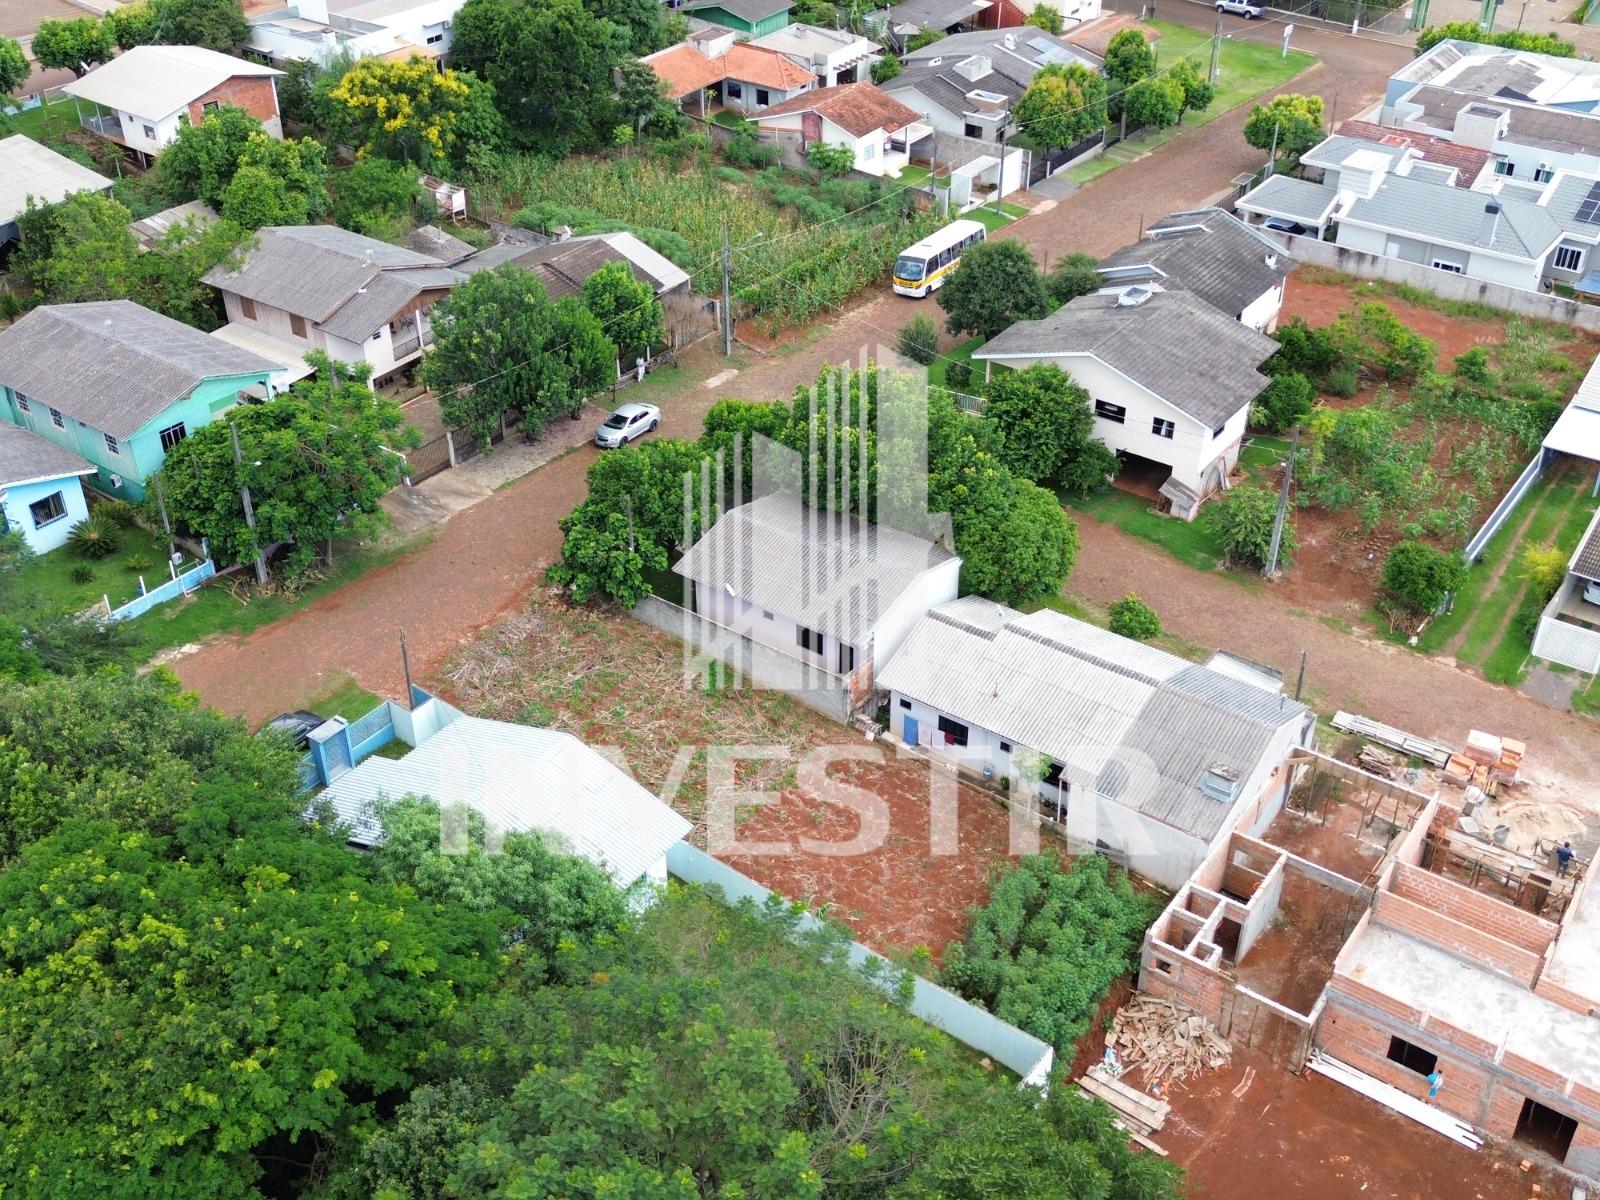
x=413, y=111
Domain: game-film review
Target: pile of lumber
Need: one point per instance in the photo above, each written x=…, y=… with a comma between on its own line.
x=1166, y=1040
x=1138, y=1115
x=1396, y=739
x=1378, y=762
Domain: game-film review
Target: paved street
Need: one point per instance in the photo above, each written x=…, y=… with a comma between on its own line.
x=486, y=558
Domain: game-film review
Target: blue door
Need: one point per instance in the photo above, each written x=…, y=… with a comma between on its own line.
x=908, y=730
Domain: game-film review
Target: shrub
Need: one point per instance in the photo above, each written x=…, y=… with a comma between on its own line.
x=1048, y=946
x=1242, y=521
x=830, y=160
x=1301, y=348
x=1283, y=403
x=1544, y=567
x=919, y=340
x=958, y=373
x=1472, y=367
x=885, y=69
x=121, y=513
x=81, y=573
x=1419, y=576
x=1132, y=618
x=138, y=562
x=94, y=537
x=1342, y=381
x=1075, y=275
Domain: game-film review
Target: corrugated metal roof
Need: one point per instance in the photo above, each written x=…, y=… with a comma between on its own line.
x=1197, y=358
x=29, y=169
x=564, y=266
x=1138, y=724
x=1208, y=252
x=520, y=779
x=114, y=365
x=157, y=81
x=1586, y=559
x=827, y=571
x=26, y=456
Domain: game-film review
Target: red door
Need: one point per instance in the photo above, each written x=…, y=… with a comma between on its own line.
x=810, y=128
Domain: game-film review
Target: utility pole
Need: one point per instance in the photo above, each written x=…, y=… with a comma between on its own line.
x=1000, y=177
x=1333, y=112
x=1216, y=54
x=727, y=305
x=249, y=509
x=1283, y=508
x=405, y=665
x=1272, y=155
x=1300, y=683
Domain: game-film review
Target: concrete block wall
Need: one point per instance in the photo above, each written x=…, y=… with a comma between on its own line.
x=1354, y=1038
x=1464, y=941
x=1483, y=912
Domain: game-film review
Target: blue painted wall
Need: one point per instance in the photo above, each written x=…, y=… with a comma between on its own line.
x=15, y=500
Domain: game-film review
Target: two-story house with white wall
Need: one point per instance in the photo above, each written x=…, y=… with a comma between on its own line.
x=319, y=287
x=834, y=56
x=1124, y=746
x=1170, y=378
x=823, y=587
x=141, y=97
x=320, y=30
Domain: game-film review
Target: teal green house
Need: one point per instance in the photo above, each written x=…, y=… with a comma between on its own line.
x=754, y=17
x=120, y=385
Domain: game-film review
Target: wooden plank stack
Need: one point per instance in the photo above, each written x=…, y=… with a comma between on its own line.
x=1139, y=1114
x=1166, y=1040
x=1378, y=762
x=1395, y=739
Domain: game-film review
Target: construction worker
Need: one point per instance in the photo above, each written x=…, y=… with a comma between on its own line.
x=1435, y=1082
x=1563, y=858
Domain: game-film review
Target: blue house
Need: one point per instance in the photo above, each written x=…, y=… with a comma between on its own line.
x=119, y=384
x=41, y=496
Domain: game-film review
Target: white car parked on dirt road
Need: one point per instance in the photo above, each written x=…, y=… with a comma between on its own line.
x=628, y=423
x=1244, y=8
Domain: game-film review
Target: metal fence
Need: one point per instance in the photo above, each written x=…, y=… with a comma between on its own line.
x=1508, y=503
x=454, y=447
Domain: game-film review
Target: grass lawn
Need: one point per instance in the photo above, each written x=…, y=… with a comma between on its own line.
x=48, y=120
x=993, y=221
x=961, y=353
x=47, y=578
x=914, y=175
x=1187, y=541
x=1587, y=700
x=347, y=699
x=731, y=120
x=1247, y=69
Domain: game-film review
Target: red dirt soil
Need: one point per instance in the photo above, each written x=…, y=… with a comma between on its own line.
x=1306, y=1136
x=1321, y=304
x=901, y=894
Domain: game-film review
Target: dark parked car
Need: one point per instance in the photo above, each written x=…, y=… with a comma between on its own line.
x=298, y=725
x=1284, y=225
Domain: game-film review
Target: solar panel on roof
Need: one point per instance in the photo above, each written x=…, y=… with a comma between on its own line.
x=1040, y=44
x=1589, y=210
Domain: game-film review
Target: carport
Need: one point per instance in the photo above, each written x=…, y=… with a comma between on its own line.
x=1577, y=430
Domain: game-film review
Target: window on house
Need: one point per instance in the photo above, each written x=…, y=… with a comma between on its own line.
x=211, y=106
x=1545, y=1129
x=22, y=403
x=1568, y=258
x=1162, y=427
x=172, y=435
x=56, y=419
x=111, y=443
x=955, y=733
x=150, y=132
x=1412, y=1058
x=52, y=508
x=809, y=639
x=1110, y=412
x=905, y=704
x=1543, y=174
x=763, y=97
x=1505, y=167
x=297, y=325
x=973, y=131
x=247, y=308
x=435, y=38
x=733, y=89
x=378, y=332
x=847, y=659
x=765, y=615
x=1439, y=264
x=1005, y=747
x=1217, y=432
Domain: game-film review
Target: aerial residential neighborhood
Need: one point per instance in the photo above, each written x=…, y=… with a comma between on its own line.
x=759, y=598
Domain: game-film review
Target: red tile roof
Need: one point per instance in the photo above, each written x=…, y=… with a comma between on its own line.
x=857, y=108
x=685, y=70
x=1468, y=160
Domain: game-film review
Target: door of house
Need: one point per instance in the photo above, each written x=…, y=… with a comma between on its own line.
x=908, y=731
x=810, y=128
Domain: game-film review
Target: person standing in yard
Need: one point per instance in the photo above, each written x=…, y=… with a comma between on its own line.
x=1435, y=1082
x=1563, y=858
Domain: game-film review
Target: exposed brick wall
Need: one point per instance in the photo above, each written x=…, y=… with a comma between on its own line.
x=257, y=95
x=1352, y=1038
x=1557, y=994
x=1584, y=1153
x=1501, y=1115
x=1469, y=943
x=1403, y=1015
x=1494, y=917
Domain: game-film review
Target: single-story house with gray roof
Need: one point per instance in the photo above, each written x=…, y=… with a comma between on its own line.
x=1171, y=378
x=119, y=385
x=1124, y=747
x=319, y=287
x=825, y=588
x=29, y=171
x=41, y=488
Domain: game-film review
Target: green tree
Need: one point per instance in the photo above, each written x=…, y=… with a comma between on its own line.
x=1076, y=275
x=996, y=285
x=1046, y=17
x=1154, y=103
x=1242, y=520
x=14, y=68
x=628, y=309
x=1128, y=59
x=919, y=340
x=641, y=94
x=1198, y=93
x=643, y=20
x=410, y=111
x=317, y=461
x=1047, y=422
x=601, y=555
x=1032, y=554
x=830, y=161
x=1283, y=403
x=1420, y=576
x=170, y=275
x=1132, y=618
x=133, y=24
x=1294, y=119
x=75, y=45
x=551, y=64
x=501, y=344
x=277, y=182
x=215, y=24
x=79, y=249
x=1545, y=569
x=200, y=162
x=374, y=191
x=885, y=69
x=1064, y=104
x=1513, y=39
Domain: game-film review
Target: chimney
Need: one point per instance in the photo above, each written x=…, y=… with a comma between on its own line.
x=1272, y=262
x=1491, y=221
x=1009, y=41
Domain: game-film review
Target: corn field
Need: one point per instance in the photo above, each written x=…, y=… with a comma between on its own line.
x=784, y=273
